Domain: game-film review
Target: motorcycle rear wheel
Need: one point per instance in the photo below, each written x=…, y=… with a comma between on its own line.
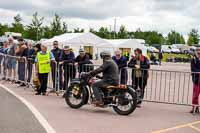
x=132, y=103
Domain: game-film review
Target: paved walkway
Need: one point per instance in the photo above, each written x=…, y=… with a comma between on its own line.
x=151, y=117
x=15, y=117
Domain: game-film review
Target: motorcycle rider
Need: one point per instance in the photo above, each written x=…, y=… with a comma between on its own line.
x=110, y=76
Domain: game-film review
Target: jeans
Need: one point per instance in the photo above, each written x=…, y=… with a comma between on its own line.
x=29, y=68
x=21, y=71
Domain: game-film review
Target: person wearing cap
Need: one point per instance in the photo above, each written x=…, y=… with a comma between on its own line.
x=195, y=69
x=43, y=60
x=121, y=61
x=22, y=53
x=68, y=60
x=55, y=66
x=81, y=60
x=140, y=65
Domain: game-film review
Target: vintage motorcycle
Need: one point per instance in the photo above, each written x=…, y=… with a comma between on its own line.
x=122, y=98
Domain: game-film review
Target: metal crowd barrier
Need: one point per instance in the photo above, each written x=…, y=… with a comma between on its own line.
x=160, y=86
x=13, y=68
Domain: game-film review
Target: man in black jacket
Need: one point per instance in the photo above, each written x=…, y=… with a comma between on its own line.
x=110, y=76
x=55, y=67
x=30, y=60
x=82, y=59
x=140, y=65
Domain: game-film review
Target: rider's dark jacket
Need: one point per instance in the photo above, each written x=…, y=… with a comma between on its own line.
x=110, y=72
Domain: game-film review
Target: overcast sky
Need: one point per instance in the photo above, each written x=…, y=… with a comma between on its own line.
x=160, y=15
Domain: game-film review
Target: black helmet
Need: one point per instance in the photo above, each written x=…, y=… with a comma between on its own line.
x=105, y=54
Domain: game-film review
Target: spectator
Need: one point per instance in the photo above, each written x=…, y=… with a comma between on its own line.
x=195, y=68
x=1, y=56
x=140, y=65
x=122, y=63
x=153, y=58
x=160, y=57
x=37, y=48
x=22, y=53
x=127, y=55
x=5, y=60
x=30, y=61
x=54, y=66
x=81, y=60
x=43, y=60
x=11, y=60
x=68, y=60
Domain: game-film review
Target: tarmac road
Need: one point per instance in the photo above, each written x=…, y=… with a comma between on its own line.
x=15, y=117
x=151, y=117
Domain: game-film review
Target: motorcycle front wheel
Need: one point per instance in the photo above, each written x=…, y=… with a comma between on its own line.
x=75, y=96
x=130, y=106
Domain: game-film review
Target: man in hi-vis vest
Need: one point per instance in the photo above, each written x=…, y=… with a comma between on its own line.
x=43, y=59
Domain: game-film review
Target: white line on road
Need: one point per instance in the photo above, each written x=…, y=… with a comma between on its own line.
x=36, y=113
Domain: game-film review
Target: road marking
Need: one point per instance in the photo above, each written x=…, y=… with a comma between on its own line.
x=195, y=128
x=178, y=127
x=36, y=113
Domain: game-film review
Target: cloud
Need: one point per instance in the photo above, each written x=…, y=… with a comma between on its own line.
x=160, y=15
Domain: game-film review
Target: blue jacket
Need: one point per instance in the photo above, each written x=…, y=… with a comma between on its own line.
x=121, y=63
x=67, y=58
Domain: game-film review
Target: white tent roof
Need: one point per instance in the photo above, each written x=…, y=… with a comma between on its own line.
x=125, y=43
x=78, y=39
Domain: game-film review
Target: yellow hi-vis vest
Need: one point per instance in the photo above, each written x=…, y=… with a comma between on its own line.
x=126, y=54
x=44, y=62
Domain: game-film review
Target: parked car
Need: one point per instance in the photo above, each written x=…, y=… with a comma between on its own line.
x=175, y=50
x=152, y=49
x=166, y=49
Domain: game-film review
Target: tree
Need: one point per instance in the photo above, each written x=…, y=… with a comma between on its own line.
x=34, y=30
x=151, y=37
x=122, y=34
x=78, y=30
x=103, y=33
x=17, y=26
x=190, y=41
x=46, y=32
x=56, y=26
x=193, y=37
x=3, y=28
x=175, y=38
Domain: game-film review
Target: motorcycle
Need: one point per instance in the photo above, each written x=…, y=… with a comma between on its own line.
x=122, y=98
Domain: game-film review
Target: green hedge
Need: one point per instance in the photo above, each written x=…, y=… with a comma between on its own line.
x=170, y=55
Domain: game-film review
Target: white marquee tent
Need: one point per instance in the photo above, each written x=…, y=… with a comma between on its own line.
x=94, y=44
x=88, y=41
x=128, y=44
x=78, y=40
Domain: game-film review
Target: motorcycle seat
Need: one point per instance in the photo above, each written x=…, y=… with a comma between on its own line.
x=122, y=87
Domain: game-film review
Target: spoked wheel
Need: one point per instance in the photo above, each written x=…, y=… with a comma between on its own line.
x=129, y=104
x=75, y=96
